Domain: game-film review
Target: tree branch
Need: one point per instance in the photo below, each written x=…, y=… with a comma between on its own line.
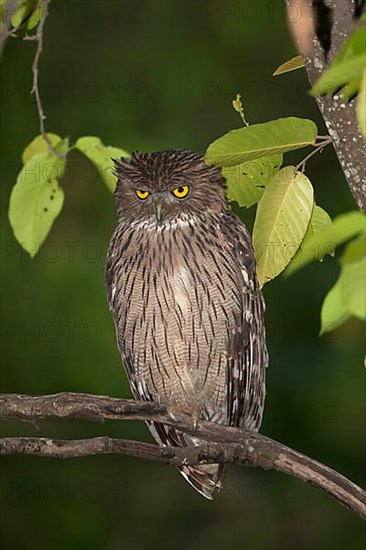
x=319, y=29
x=222, y=443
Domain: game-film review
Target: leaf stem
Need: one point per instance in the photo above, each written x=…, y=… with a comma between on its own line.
x=318, y=147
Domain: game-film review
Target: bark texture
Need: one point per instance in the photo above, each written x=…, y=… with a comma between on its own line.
x=320, y=27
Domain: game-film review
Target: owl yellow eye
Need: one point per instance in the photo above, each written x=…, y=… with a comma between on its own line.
x=142, y=194
x=181, y=192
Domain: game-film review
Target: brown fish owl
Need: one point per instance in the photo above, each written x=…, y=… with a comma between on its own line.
x=186, y=302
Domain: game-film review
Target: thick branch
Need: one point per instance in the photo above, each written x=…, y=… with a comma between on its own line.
x=224, y=444
x=332, y=21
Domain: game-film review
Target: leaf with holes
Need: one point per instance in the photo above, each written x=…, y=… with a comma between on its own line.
x=282, y=219
x=101, y=155
x=36, y=200
x=260, y=140
x=246, y=182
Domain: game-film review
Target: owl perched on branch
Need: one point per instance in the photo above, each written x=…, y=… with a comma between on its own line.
x=187, y=306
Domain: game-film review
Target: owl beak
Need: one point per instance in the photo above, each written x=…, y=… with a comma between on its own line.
x=158, y=213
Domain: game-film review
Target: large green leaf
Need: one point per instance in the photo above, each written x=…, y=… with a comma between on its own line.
x=281, y=222
x=101, y=155
x=343, y=228
x=259, y=140
x=36, y=200
x=334, y=312
x=353, y=287
x=246, y=182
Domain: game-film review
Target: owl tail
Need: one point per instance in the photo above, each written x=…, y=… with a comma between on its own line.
x=205, y=479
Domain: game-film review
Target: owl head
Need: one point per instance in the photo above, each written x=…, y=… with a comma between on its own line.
x=164, y=187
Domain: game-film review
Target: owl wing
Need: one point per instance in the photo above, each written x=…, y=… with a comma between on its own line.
x=113, y=271
x=247, y=351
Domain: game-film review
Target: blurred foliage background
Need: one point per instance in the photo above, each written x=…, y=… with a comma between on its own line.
x=155, y=75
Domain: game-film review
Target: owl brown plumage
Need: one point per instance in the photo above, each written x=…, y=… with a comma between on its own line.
x=186, y=303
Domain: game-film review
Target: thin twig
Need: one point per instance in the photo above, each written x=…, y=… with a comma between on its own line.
x=219, y=443
x=10, y=9
x=318, y=147
x=35, y=71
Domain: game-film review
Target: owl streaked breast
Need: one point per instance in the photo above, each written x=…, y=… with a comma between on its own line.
x=186, y=303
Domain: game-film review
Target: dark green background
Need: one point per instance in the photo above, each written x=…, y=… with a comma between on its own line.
x=149, y=76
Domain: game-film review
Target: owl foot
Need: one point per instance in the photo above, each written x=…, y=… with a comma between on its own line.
x=175, y=411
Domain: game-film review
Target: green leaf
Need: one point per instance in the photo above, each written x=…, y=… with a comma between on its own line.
x=343, y=228
x=35, y=18
x=290, y=65
x=101, y=155
x=23, y=11
x=353, y=46
x=338, y=75
x=318, y=221
x=283, y=216
x=39, y=145
x=361, y=106
x=351, y=89
x=260, y=140
x=36, y=200
x=353, y=287
x=246, y=182
x=334, y=312
x=354, y=250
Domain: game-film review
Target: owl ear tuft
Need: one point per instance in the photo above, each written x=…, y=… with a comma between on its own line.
x=120, y=165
